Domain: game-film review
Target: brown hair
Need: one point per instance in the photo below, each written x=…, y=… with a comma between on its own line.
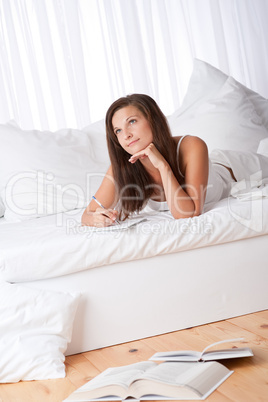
x=134, y=185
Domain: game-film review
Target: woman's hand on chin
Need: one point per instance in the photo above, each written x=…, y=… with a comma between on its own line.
x=150, y=152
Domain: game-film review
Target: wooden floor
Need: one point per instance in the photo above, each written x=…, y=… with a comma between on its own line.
x=248, y=383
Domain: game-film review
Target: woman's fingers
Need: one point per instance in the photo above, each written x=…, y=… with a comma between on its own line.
x=138, y=155
x=135, y=157
x=104, y=217
x=141, y=154
x=151, y=152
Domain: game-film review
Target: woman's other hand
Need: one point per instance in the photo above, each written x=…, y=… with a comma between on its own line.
x=99, y=218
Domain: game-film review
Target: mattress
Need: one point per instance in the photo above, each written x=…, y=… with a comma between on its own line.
x=136, y=299
x=57, y=245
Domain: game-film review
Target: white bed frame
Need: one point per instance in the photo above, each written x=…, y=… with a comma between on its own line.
x=137, y=299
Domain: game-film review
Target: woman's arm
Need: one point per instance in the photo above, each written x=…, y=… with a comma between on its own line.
x=99, y=217
x=187, y=200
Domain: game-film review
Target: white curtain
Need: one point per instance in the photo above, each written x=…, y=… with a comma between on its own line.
x=62, y=62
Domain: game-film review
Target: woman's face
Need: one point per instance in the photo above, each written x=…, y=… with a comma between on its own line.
x=132, y=129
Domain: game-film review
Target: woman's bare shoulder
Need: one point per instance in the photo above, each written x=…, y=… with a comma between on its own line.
x=193, y=152
x=190, y=139
x=192, y=143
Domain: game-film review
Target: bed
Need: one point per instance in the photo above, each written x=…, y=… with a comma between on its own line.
x=157, y=276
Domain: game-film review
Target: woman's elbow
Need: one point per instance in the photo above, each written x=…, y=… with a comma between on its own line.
x=177, y=214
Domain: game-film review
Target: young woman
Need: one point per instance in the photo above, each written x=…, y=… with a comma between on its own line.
x=149, y=166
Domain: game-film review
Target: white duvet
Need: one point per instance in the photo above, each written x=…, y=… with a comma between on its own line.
x=58, y=245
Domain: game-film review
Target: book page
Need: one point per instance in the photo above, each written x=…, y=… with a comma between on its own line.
x=178, y=373
x=227, y=354
x=181, y=355
x=122, y=376
x=208, y=379
x=181, y=379
x=220, y=342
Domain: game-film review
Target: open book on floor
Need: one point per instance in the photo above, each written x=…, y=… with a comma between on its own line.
x=205, y=355
x=151, y=381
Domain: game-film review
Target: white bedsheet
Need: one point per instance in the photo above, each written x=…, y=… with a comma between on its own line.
x=57, y=245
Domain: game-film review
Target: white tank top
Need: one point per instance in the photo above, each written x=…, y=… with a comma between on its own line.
x=178, y=154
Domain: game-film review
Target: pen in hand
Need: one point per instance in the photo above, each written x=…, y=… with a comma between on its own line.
x=95, y=199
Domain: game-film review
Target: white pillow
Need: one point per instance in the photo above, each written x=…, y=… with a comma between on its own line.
x=206, y=80
x=2, y=208
x=220, y=110
x=97, y=134
x=35, y=327
x=43, y=173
